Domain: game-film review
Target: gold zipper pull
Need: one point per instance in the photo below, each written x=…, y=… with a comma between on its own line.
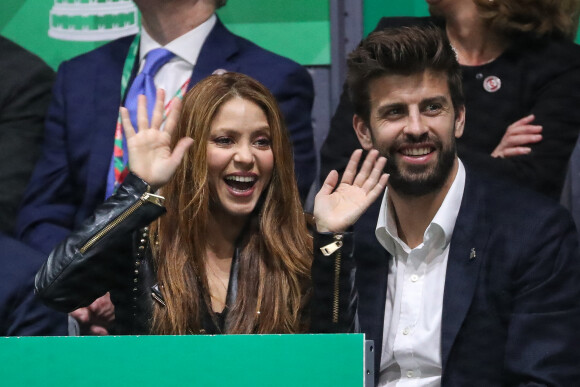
x=331, y=248
x=152, y=198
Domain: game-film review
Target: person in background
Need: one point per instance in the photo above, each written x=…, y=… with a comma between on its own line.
x=85, y=154
x=21, y=313
x=460, y=280
x=26, y=82
x=521, y=80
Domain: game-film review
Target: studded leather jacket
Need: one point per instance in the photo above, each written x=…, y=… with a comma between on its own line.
x=109, y=252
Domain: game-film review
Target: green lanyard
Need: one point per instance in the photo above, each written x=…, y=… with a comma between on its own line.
x=129, y=64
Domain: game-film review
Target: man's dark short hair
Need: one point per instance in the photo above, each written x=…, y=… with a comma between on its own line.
x=401, y=51
x=220, y=3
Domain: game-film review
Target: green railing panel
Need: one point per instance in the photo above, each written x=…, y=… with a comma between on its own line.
x=229, y=360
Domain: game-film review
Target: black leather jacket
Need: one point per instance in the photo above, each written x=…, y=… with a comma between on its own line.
x=109, y=252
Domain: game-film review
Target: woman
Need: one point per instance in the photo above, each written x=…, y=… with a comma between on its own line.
x=521, y=80
x=231, y=255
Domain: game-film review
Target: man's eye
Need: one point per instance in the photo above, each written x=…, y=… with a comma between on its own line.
x=433, y=107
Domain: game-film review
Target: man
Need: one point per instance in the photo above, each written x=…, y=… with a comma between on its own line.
x=77, y=169
x=21, y=313
x=462, y=281
x=26, y=82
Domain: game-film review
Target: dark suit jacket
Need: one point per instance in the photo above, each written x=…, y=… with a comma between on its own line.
x=24, y=96
x=69, y=180
x=21, y=313
x=510, y=314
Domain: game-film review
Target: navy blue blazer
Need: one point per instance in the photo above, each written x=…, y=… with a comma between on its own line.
x=511, y=314
x=21, y=313
x=70, y=177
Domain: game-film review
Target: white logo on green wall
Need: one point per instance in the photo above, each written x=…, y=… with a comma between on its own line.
x=92, y=20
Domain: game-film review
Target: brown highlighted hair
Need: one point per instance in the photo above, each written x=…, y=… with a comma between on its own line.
x=275, y=251
x=401, y=51
x=556, y=18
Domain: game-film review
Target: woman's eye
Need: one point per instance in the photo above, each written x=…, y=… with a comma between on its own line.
x=222, y=141
x=262, y=142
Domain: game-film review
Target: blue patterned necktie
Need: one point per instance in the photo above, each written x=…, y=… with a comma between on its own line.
x=143, y=83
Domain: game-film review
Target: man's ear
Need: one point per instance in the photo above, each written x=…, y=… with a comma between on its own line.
x=459, y=121
x=363, y=132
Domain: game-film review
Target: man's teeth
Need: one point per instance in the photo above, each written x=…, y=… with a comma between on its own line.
x=416, y=151
x=241, y=179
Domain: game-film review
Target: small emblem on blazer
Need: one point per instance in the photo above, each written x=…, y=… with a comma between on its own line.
x=472, y=253
x=492, y=84
x=219, y=72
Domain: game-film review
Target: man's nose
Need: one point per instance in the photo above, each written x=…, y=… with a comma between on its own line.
x=415, y=125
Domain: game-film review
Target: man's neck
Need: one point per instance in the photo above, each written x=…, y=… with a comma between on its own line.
x=168, y=20
x=413, y=214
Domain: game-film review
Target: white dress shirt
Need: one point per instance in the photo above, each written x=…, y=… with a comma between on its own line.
x=411, y=354
x=186, y=49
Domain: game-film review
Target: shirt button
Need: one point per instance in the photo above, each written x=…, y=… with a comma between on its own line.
x=409, y=374
x=414, y=278
x=406, y=331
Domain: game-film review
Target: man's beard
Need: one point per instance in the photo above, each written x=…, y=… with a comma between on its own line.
x=419, y=180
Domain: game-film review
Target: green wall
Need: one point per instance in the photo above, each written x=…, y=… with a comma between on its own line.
x=299, y=29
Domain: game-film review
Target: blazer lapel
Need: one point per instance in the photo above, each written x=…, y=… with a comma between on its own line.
x=467, y=250
x=216, y=53
x=107, y=99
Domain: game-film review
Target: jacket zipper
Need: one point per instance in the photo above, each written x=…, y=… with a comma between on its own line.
x=335, y=308
x=146, y=197
x=328, y=250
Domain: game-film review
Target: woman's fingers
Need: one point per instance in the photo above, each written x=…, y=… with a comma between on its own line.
x=523, y=121
x=126, y=121
x=158, y=110
x=142, y=119
x=171, y=120
x=329, y=183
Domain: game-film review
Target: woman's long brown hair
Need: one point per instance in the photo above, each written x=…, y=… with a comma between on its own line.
x=276, y=249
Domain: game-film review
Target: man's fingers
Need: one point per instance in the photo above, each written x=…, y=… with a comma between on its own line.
x=366, y=168
x=379, y=188
x=350, y=171
x=375, y=174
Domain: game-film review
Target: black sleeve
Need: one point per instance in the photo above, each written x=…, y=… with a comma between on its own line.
x=86, y=264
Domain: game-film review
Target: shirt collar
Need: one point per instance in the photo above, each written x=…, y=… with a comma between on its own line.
x=187, y=46
x=443, y=222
